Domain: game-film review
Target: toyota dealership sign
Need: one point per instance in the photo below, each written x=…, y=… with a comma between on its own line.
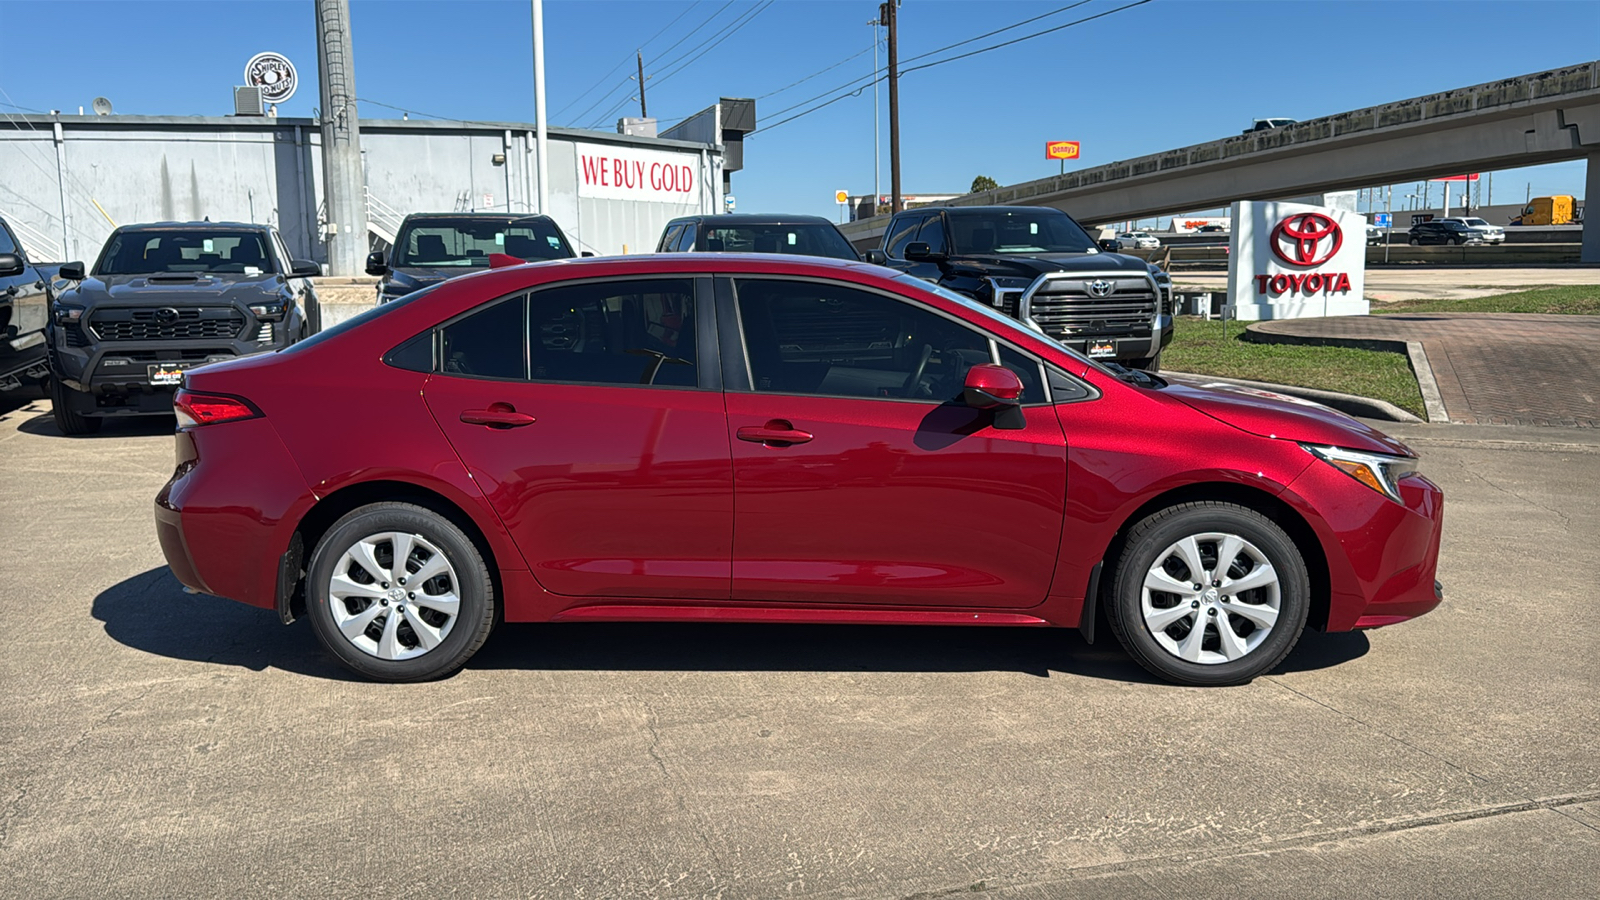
x=1291, y=260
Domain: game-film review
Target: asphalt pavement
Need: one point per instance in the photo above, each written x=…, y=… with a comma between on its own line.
x=167, y=745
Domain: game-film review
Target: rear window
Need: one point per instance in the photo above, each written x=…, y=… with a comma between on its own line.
x=464, y=243
x=813, y=239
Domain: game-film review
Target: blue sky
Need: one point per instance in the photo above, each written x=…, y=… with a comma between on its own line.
x=1150, y=78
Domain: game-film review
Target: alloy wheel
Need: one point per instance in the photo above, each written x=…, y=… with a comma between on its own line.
x=394, y=595
x=1211, y=598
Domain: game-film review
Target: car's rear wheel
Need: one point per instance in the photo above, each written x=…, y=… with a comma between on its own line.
x=399, y=593
x=1415, y=242
x=1209, y=593
x=66, y=407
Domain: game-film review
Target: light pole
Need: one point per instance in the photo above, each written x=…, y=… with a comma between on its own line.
x=877, y=160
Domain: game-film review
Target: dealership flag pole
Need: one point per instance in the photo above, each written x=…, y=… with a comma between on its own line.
x=542, y=161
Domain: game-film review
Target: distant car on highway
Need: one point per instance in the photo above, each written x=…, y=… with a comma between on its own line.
x=1443, y=231
x=1138, y=240
x=1269, y=124
x=1489, y=234
x=431, y=247
x=1374, y=235
x=162, y=299
x=1211, y=229
x=756, y=233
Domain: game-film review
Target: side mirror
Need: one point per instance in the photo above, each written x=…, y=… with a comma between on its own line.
x=876, y=257
x=586, y=253
x=377, y=263
x=11, y=264
x=304, y=268
x=919, y=251
x=72, y=271
x=1110, y=245
x=989, y=386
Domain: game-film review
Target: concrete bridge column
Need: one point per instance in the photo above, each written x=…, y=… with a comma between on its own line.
x=1591, y=220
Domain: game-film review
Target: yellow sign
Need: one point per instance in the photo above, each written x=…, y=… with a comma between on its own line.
x=1061, y=150
x=841, y=196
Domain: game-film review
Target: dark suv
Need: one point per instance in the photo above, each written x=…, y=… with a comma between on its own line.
x=750, y=233
x=25, y=290
x=1036, y=264
x=165, y=298
x=433, y=247
x=1444, y=232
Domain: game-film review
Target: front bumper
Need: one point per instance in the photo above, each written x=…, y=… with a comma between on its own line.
x=122, y=374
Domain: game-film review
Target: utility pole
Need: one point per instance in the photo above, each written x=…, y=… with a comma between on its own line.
x=343, y=187
x=643, y=113
x=887, y=15
x=541, y=133
x=877, y=158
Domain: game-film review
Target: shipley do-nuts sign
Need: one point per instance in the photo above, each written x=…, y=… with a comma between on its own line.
x=627, y=173
x=1290, y=260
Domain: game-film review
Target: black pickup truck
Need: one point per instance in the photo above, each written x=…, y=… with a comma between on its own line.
x=433, y=247
x=164, y=298
x=25, y=292
x=1040, y=266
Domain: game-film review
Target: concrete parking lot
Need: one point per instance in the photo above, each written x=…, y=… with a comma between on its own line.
x=161, y=744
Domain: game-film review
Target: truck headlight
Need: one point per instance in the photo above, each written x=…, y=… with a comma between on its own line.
x=1378, y=471
x=267, y=312
x=68, y=315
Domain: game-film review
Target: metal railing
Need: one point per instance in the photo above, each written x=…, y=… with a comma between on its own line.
x=39, y=246
x=383, y=220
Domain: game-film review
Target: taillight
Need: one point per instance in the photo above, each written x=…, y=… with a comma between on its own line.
x=194, y=409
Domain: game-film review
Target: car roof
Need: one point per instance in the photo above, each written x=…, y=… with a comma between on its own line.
x=990, y=209
x=753, y=219
x=188, y=226
x=483, y=216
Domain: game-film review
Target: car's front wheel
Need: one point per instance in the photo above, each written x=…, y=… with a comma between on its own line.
x=397, y=592
x=66, y=407
x=1209, y=593
x=1415, y=242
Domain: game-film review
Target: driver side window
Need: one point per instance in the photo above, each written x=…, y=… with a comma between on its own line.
x=826, y=339
x=904, y=233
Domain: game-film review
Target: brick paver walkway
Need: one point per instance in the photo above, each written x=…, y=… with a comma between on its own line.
x=1492, y=368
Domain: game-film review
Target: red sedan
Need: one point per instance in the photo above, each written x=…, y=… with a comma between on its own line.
x=772, y=439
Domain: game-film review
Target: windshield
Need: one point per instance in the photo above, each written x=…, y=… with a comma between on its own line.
x=1019, y=231
x=1475, y=221
x=198, y=251
x=463, y=243
x=806, y=239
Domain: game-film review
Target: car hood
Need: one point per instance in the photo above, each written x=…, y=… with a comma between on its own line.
x=157, y=290
x=1034, y=265
x=1275, y=415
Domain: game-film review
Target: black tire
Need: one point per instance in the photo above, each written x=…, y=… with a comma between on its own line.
x=1151, y=538
x=472, y=585
x=1415, y=243
x=1458, y=241
x=66, y=407
x=313, y=313
x=1152, y=364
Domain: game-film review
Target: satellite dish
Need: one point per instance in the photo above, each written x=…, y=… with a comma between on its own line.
x=102, y=106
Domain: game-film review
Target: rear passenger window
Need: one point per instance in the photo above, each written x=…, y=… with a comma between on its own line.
x=619, y=332
x=486, y=344
x=686, y=240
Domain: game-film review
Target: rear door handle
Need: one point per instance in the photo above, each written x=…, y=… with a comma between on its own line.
x=776, y=431
x=498, y=415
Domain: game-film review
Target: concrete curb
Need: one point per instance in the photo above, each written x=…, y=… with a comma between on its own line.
x=1364, y=407
x=1420, y=367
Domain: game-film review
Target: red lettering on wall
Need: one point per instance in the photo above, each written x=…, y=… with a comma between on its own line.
x=589, y=170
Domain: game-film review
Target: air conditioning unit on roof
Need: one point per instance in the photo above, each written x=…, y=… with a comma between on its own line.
x=247, y=101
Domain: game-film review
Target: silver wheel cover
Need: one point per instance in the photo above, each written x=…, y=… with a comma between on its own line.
x=394, y=595
x=1211, y=598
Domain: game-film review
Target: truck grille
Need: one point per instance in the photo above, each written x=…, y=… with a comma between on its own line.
x=831, y=329
x=1068, y=306
x=166, y=323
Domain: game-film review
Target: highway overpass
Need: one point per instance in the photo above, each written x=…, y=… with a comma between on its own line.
x=1545, y=117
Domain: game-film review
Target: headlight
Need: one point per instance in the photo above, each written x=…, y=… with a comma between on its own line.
x=68, y=315
x=270, y=312
x=1378, y=471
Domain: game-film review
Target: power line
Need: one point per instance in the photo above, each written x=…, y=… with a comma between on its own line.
x=624, y=82
x=815, y=74
x=879, y=75
x=602, y=78
x=691, y=33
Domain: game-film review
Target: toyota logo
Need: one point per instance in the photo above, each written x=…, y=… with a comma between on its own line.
x=1101, y=287
x=1307, y=239
x=166, y=314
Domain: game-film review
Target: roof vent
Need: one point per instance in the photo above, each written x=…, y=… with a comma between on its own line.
x=247, y=101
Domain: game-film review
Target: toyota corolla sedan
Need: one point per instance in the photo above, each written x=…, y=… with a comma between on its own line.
x=768, y=438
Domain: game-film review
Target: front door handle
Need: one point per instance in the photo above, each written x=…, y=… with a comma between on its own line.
x=498, y=415
x=776, y=431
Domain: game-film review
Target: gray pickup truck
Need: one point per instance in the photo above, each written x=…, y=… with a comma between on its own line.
x=25, y=294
